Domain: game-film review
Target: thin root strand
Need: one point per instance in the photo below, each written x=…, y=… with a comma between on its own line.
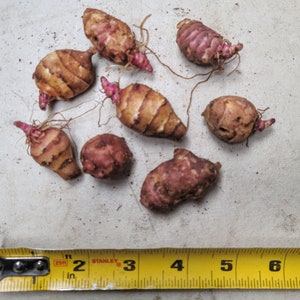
x=172, y=71
x=192, y=92
x=143, y=42
x=237, y=55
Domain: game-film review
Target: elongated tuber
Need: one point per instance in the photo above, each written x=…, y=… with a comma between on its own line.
x=113, y=39
x=64, y=74
x=202, y=45
x=233, y=119
x=144, y=110
x=106, y=156
x=51, y=147
x=185, y=177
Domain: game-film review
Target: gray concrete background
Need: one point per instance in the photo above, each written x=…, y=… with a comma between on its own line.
x=254, y=204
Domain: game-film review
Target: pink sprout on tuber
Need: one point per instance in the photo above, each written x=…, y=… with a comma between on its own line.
x=31, y=131
x=140, y=60
x=111, y=90
x=44, y=100
x=261, y=125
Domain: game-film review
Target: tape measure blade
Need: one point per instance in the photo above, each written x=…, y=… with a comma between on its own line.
x=162, y=268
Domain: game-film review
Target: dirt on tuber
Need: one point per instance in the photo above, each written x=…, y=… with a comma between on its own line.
x=64, y=74
x=51, y=147
x=113, y=39
x=204, y=46
x=185, y=177
x=233, y=119
x=144, y=110
x=106, y=156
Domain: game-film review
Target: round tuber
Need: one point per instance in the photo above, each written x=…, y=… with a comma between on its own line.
x=106, y=156
x=233, y=119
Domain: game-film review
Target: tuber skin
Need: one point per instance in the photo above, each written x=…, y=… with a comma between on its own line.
x=144, y=110
x=185, y=177
x=233, y=119
x=51, y=147
x=64, y=74
x=106, y=156
x=113, y=39
x=202, y=45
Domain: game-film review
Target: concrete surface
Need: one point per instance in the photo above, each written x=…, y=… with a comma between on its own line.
x=254, y=204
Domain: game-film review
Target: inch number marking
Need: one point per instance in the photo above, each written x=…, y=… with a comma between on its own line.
x=130, y=265
x=275, y=265
x=79, y=263
x=226, y=265
x=177, y=264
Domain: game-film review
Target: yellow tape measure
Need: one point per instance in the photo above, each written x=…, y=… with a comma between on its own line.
x=23, y=269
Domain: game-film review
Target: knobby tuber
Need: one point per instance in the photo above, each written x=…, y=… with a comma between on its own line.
x=185, y=177
x=146, y=111
x=106, y=156
x=202, y=45
x=51, y=147
x=233, y=119
x=113, y=39
x=64, y=74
